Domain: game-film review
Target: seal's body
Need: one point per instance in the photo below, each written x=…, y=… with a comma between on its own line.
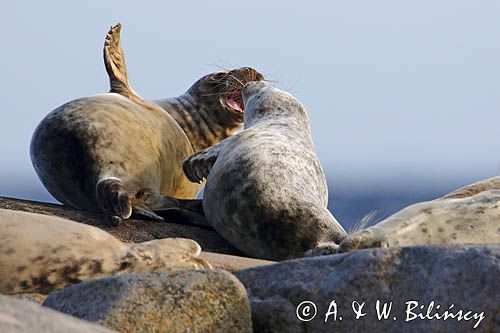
x=266, y=191
x=120, y=153
x=42, y=253
x=469, y=215
x=109, y=136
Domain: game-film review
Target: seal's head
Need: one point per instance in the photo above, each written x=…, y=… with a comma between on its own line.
x=261, y=100
x=364, y=239
x=221, y=92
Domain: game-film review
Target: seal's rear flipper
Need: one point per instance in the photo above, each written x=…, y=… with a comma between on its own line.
x=180, y=215
x=148, y=213
x=114, y=60
x=181, y=210
x=113, y=198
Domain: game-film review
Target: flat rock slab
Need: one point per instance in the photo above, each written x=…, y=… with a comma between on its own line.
x=174, y=301
x=465, y=276
x=131, y=231
x=18, y=316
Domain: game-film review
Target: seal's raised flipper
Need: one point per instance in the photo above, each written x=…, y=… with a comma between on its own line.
x=198, y=166
x=114, y=60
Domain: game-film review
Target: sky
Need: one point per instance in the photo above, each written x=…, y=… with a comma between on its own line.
x=398, y=93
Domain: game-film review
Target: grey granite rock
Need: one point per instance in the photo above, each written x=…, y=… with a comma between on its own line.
x=173, y=301
x=465, y=276
x=17, y=316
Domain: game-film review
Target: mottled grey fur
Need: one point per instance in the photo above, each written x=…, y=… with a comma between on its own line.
x=266, y=192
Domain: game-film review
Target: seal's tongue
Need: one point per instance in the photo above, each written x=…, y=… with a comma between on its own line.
x=235, y=101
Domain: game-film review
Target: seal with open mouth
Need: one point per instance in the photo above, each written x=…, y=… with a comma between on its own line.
x=266, y=192
x=120, y=153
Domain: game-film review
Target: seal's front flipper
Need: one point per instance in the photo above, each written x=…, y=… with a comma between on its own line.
x=114, y=60
x=113, y=198
x=197, y=166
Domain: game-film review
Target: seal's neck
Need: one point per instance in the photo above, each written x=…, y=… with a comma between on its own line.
x=203, y=124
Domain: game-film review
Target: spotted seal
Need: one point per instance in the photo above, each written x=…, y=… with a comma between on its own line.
x=266, y=192
x=40, y=253
x=469, y=215
x=120, y=153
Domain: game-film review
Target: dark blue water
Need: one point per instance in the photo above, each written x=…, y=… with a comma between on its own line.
x=351, y=206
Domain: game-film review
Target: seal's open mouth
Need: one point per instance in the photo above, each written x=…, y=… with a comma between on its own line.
x=235, y=101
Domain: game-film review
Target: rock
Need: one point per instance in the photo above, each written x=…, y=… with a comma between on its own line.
x=475, y=188
x=18, y=316
x=469, y=220
x=173, y=301
x=232, y=263
x=42, y=253
x=465, y=276
x=130, y=231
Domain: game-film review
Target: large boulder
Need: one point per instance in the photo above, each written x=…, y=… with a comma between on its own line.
x=18, y=316
x=463, y=220
x=174, y=301
x=421, y=282
x=42, y=253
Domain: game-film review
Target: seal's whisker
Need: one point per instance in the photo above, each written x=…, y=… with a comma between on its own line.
x=364, y=221
x=236, y=79
x=220, y=93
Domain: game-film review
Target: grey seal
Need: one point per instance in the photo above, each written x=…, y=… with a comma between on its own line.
x=40, y=253
x=469, y=215
x=266, y=192
x=120, y=153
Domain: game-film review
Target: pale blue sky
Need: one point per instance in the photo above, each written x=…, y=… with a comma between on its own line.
x=395, y=91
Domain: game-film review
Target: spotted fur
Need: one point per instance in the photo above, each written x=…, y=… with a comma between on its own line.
x=266, y=191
